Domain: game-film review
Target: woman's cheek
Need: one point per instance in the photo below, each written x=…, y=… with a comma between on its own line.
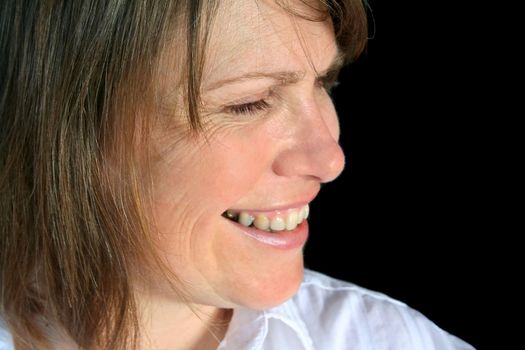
x=239, y=163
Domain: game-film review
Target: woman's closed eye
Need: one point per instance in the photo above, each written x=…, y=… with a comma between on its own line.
x=326, y=82
x=250, y=108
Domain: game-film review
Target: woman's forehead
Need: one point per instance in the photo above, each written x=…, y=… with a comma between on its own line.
x=262, y=36
x=248, y=36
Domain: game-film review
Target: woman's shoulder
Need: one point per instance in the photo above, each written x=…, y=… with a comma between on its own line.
x=364, y=318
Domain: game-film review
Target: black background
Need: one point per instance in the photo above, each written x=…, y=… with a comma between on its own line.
x=408, y=215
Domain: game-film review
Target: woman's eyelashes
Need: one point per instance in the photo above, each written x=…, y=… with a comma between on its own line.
x=250, y=108
x=326, y=82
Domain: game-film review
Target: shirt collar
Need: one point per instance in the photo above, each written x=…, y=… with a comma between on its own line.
x=249, y=328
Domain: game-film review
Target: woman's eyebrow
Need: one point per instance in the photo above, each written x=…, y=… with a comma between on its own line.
x=282, y=77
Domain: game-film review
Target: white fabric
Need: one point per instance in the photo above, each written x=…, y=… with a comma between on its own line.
x=329, y=314
x=6, y=342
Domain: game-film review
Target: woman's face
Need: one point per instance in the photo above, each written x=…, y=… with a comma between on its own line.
x=271, y=139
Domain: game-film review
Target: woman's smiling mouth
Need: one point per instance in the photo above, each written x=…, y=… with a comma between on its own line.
x=283, y=229
x=276, y=221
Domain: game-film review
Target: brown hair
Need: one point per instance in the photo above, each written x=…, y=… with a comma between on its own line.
x=72, y=193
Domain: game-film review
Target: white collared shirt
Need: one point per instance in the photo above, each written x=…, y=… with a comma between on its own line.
x=329, y=314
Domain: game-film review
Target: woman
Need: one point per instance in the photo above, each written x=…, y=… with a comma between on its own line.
x=157, y=163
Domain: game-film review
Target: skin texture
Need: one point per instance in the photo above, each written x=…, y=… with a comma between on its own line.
x=270, y=157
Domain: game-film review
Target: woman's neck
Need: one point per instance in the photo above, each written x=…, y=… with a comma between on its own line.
x=167, y=324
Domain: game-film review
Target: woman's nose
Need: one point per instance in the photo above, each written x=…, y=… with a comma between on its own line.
x=313, y=150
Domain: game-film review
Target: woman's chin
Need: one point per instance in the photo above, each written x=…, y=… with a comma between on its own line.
x=269, y=289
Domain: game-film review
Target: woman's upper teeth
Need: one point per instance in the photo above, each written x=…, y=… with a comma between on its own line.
x=274, y=221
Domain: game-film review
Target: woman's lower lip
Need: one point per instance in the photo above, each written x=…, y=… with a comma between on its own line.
x=282, y=240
